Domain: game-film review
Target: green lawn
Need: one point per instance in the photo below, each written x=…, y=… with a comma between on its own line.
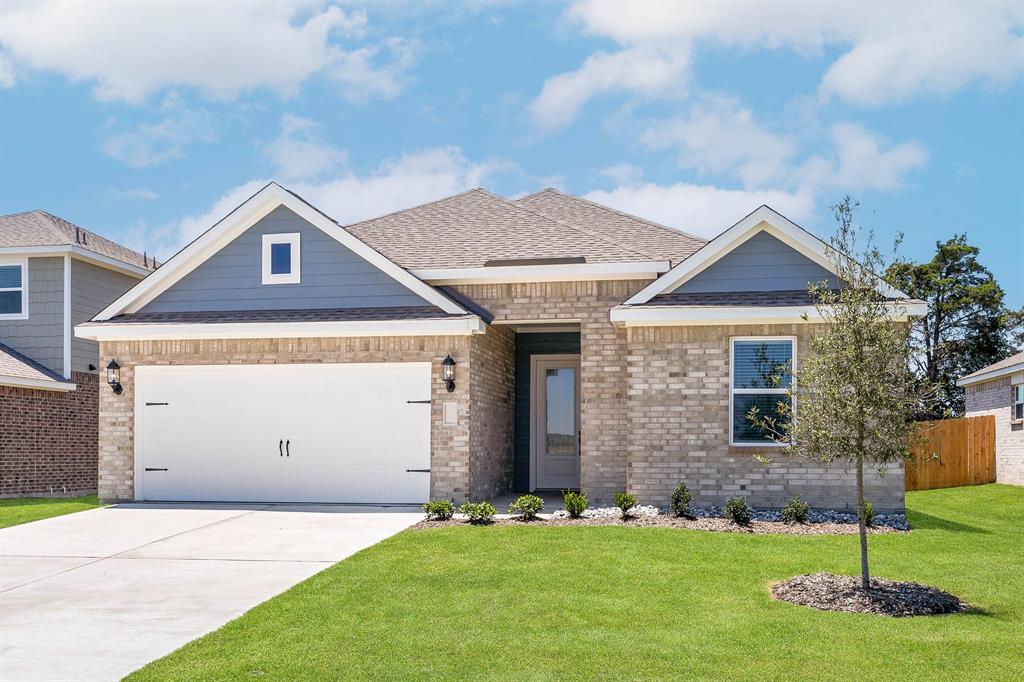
x=24, y=509
x=553, y=603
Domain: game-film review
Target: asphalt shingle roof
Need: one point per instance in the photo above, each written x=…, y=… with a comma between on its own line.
x=14, y=364
x=1014, y=359
x=39, y=228
x=657, y=242
x=469, y=229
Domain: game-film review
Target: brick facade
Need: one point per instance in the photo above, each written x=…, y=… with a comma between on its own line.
x=492, y=401
x=603, y=418
x=48, y=440
x=678, y=412
x=995, y=398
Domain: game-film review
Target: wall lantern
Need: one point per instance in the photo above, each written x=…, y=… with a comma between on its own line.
x=114, y=377
x=448, y=373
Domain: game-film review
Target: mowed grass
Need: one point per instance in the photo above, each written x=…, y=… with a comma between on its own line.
x=14, y=511
x=536, y=603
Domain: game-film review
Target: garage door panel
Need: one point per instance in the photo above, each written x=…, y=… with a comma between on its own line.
x=351, y=432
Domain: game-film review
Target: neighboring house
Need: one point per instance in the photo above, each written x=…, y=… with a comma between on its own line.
x=53, y=275
x=283, y=357
x=998, y=390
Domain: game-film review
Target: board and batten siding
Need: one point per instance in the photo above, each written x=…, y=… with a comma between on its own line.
x=41, y=336
x=762, y=263
x=92, y=289
x=332, y=276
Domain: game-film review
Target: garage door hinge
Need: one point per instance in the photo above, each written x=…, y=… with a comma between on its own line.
x=148, y=404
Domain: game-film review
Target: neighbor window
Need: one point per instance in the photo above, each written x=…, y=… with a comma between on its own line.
x=760, y=375
x=281, y=258
x=13, y=294
x=1018, y=401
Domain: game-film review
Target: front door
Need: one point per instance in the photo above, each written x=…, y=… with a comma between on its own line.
x=555, y=422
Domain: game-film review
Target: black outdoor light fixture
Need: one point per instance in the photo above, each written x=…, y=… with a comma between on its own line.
x=114, y=377
x=448, y=373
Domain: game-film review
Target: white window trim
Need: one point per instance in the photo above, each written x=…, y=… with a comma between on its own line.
x=294, y=240
x=759, y=391
x=23, y=262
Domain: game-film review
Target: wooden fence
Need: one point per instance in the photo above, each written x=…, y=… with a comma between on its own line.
x=954, y=452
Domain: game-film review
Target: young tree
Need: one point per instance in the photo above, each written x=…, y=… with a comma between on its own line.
x=967, y=326
x=855, y=397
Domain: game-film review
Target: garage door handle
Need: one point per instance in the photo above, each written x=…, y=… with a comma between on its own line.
x=288, y=448
x=417, y=471
x=280, y=443
x=417, y=402
x=154, y=469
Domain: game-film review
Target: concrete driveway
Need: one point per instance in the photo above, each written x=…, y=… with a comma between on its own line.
x=97, y=594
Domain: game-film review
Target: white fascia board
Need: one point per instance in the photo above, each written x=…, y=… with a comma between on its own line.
x=66, y=324
x=41, y=384
x=697, y=315
x=566, y=272
x=764, y=219
x=989, y=376
x=241, y=219
x=78, y=253
x=273, y=330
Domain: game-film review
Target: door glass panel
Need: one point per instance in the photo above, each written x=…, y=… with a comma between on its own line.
x=560, y=385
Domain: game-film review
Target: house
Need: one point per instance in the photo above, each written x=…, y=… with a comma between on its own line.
x=461, y=349
x=998, y=390
x=53, y=275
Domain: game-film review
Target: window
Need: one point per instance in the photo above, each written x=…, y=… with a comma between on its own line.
x=760, y=374
x=13, y=292
x=1018, y=402
x=281, y=258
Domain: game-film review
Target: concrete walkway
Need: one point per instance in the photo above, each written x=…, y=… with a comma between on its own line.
x=98, y=594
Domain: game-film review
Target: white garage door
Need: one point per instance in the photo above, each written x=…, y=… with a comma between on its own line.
x=283, y=433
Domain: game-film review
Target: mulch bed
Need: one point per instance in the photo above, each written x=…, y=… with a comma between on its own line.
x=666, y=521
x=829, y=592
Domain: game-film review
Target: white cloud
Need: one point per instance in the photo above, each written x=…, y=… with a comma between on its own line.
x=643, y=71
x=7, y=79
x=402, y=182
x=623, y=173
x=721, y=136
x=362, y=74
x=300, y=153
x=137, y=194
x=131, y=50
x=703, y=210
x=153, y=143
x=864, y=161
x=894, y=51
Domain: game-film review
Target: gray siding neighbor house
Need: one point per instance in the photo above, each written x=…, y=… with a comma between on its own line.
x=463, y=349
x=53, y=275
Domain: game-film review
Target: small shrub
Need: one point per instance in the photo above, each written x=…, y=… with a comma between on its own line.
x=796, y=511
x=575, y=503
x=527, y=506
x=478, y=513
x=738, y=511
x=625, y=502
x=679, y=505
x=441, y=510
x=869, y=514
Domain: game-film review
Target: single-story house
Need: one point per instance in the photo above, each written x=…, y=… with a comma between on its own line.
x=462, y=349
x=53, y=275
x=998, y=390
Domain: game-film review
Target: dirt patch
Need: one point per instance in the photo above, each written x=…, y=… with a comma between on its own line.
x=829, y=592
x=665, y=521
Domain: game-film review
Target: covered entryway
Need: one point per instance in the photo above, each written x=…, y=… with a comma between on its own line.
x=353, y=433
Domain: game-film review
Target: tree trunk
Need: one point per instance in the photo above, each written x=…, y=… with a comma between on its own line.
x=862, y=524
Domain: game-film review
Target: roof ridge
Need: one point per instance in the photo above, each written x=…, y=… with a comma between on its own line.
x=617, y=212
x=409, y=208
x=563, y=223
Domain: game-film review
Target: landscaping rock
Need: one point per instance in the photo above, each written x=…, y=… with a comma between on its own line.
x=829, y=592
x=610, y=512
x=895, y=521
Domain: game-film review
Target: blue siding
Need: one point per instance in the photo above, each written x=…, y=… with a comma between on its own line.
x=332, y=276
x=762, y=263
x=41, y=336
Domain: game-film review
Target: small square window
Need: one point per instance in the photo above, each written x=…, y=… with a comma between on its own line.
x=281, y=258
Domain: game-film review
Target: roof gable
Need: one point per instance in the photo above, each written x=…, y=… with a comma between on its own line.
x=763, y=219
x=245, y=216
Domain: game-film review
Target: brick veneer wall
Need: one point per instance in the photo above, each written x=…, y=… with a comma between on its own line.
x=603, y=417
x=678, y=411
x=492, y=403
x=48, y=440
x=450, y=445
x=995, y=398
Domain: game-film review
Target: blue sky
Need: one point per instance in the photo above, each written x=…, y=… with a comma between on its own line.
x=148, y=122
